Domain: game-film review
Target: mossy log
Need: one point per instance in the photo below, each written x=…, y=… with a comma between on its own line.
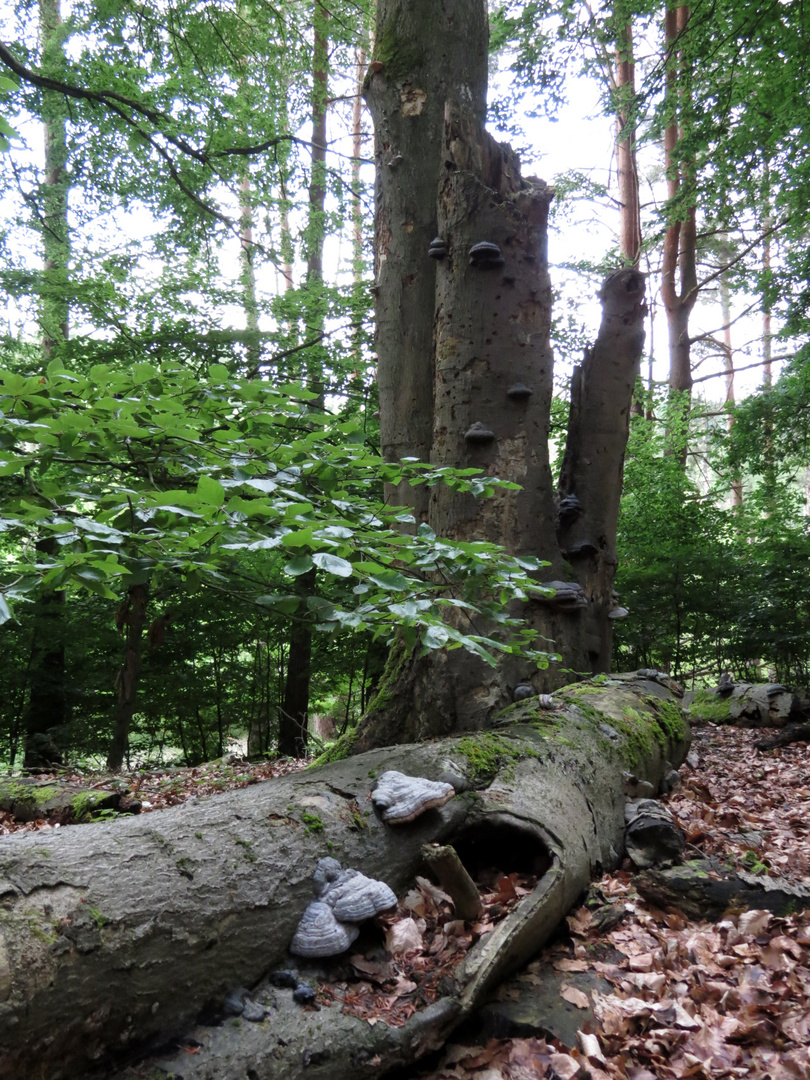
x=29, y=799
x=114, y=935
x=705, y=889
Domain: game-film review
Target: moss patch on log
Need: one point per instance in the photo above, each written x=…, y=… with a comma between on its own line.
x=710, y=708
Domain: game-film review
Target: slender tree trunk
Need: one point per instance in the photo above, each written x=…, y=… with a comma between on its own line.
x=728, y=364
x=246, y=252
x=46, y=711
x=679, y=267
x=54, y=310
x=293, y=717
x=626, y=159
x=132, y=616
x=358, y=262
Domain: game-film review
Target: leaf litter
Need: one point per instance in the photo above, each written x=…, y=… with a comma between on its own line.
x=690, y=999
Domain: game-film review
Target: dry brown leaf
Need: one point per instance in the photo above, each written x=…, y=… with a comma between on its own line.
x=564, y=1066
x=574, y=996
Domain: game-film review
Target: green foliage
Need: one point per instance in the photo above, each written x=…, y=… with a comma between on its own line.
x=711, y=587
x=142, y=472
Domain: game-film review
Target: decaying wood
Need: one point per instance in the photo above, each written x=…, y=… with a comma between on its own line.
x=798, y=732
x=29, y=799
x=452, y=875
x=115, y=934
x=705, y=889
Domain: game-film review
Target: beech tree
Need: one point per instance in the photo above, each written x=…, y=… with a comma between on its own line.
x=465, y=368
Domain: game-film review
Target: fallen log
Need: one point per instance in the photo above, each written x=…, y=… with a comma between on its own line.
x=705, y=889
x=31, y=799
x=115, y=935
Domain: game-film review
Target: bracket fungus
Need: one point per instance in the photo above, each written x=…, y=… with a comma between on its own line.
x=519, y=392
x=345, y=897
x=437, y=248
x=584, y=549
x=570, y=509
x=485, y=255
x=353, y=897
x=479, y=433
x=566, y=595
x=320, y=934
x=403, y=798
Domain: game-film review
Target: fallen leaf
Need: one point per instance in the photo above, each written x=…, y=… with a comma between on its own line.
x=574, y=996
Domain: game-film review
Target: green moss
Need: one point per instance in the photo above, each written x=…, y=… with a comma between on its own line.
x=487, y=753
x=13, y=790
x=339, y=750
x=199, y=835
x=401, y=56
x=100, y=920
x=246, y=845
x=658, y=723
x=85, y=803
x=753, y=863
x=397, y=659
x=312, y=822
x=185, y=866
x=710, y=707
x=670, y=718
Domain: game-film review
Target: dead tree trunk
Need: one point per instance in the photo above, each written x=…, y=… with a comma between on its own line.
x=117, y=933
x=465, y=364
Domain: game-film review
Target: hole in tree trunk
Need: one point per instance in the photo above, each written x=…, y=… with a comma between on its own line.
x=501, y=846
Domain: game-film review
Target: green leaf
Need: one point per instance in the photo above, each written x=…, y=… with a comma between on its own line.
x=5, y=611
x=296, y=567
x=210, y=491
x=390, y=579
x=332, y=564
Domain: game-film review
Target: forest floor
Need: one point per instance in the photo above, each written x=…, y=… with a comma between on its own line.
x=653, y=994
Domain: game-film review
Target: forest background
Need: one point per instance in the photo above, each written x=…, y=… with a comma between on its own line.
x=195, y=540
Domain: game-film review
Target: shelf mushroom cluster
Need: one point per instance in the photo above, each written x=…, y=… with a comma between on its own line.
x=344, y=898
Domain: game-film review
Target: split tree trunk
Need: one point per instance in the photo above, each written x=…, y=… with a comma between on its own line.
x=444, y=691
x=116, y=933
x=465, y=364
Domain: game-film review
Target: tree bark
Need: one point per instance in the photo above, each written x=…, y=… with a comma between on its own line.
x=424, y=54
x=679, y=285
x=132, y=615
x=626, y=158
x=445, y=691
x=592, y=469
x=294, y=713
x=46, y=712
x=116, y=933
